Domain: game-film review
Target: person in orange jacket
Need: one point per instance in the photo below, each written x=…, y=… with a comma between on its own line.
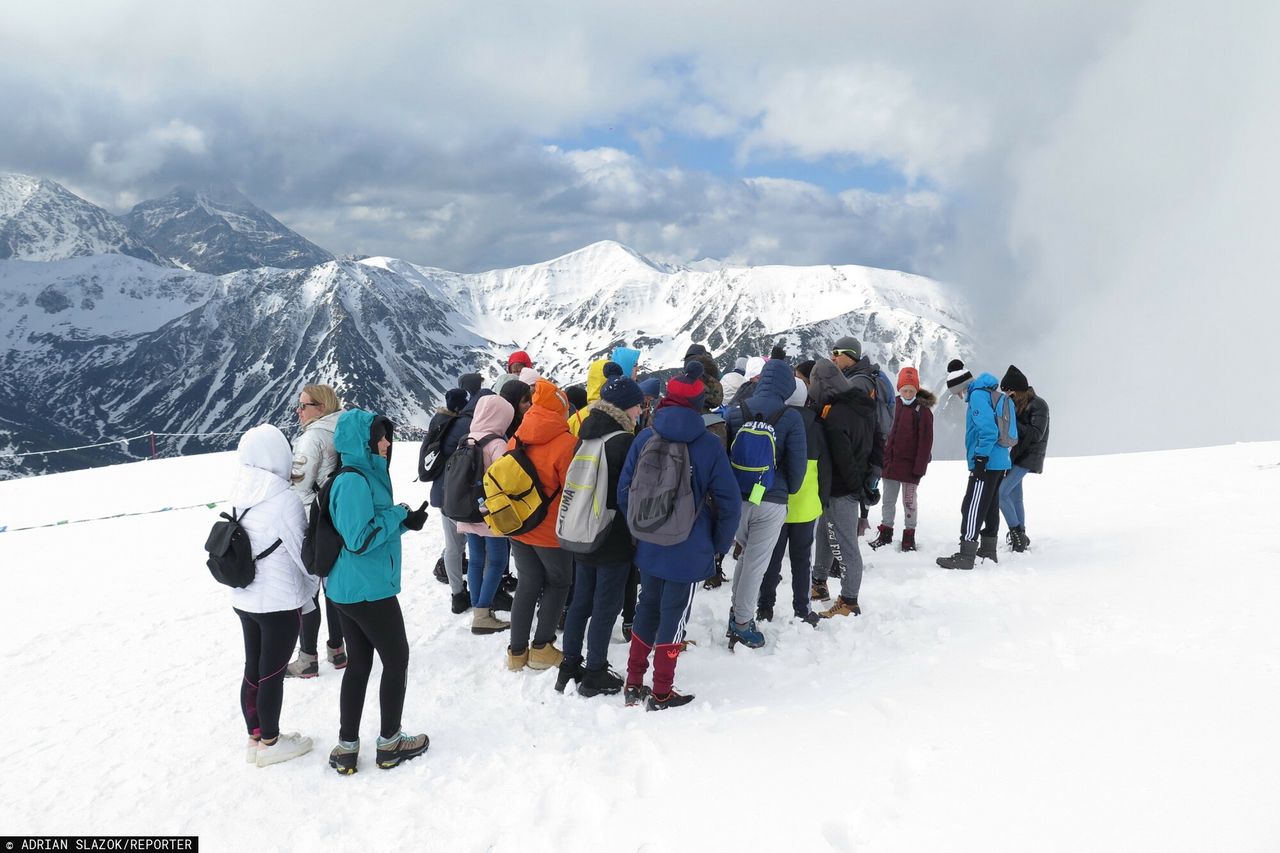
x=544, y=569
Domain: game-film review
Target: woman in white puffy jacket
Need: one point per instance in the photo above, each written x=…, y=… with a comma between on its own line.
x=314, y=459
x=270, y=608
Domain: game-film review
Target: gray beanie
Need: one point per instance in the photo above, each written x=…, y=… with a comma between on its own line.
x=850, y=344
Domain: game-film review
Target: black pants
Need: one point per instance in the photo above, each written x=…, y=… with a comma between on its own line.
x=800, y=539
x=545, y=574
x=981, y=507
x=268, y=644
x=630, y=593
x=311, y=627
x=373, y=626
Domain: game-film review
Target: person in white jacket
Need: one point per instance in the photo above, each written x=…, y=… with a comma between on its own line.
x=271, y=607
x=314, y=460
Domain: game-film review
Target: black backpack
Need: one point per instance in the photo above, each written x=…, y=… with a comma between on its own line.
x=231, y=560
x=323, y=543
x=431, y=459
x=463, y=487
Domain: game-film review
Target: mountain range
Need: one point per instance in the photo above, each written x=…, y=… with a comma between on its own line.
x=200, y=313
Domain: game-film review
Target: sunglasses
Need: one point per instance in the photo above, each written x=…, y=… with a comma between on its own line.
x=848, y=352
x=302, y=406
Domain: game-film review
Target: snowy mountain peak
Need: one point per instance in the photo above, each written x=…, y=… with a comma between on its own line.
x=41, y=220
x=214, y=228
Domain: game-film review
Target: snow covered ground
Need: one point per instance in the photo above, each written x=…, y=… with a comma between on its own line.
x=1116, y=688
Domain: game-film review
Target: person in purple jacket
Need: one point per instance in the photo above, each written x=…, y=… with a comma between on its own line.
x=669, y=574
x=907, y=453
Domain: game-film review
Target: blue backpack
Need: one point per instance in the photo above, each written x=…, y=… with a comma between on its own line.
x=754, y=453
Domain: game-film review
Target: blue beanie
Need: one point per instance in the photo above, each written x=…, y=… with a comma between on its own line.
x=622, y=392
x=651, y=387
x=626, y=358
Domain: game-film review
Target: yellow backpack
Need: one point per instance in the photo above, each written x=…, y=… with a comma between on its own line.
x=514, y=500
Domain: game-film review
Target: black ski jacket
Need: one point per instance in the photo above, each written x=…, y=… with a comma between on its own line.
x=1033, y=435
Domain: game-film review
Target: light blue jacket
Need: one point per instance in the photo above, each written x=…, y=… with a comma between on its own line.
x=363, y=512
x=981, y=430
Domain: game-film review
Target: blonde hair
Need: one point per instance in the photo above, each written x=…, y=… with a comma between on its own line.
x=325, y=396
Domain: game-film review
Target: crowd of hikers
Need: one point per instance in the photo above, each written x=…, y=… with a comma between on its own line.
x=571, y=507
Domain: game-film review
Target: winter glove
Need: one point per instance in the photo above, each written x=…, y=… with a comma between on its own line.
x=417, y=518
x=979, y=465
x=737, y=550
x=872, y=498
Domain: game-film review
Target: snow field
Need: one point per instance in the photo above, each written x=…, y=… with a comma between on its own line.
x=1115, y=688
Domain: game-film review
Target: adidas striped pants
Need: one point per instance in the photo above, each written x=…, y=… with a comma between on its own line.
x=980, y=513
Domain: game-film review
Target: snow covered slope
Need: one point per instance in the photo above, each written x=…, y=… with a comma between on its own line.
x=215, y=229
x=41, y=220
x=1115, y=688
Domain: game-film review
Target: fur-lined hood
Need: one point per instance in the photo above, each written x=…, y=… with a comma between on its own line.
x=927, y=398
x=621, y=420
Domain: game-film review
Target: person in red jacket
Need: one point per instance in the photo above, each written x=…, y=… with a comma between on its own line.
x=907, y=452
x=545, y=570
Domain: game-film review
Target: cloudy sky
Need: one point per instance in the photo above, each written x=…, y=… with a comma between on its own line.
x=1096, y=177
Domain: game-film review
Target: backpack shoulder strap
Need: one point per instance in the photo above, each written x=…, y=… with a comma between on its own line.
x=267, y=552
x=489, y=438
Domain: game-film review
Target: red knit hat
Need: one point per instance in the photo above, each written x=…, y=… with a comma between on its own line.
x=517, y=358
x=687, y=388
x=908, y=376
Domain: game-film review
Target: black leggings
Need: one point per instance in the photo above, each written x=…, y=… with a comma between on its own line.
x=630, y=593
x=311, y=627
x=369, y=626
x=268, y=645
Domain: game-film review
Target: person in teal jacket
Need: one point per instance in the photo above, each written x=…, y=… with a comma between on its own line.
x=988, y=463
x=364, y=583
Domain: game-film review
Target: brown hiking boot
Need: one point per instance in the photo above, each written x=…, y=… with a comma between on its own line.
x=546, y=657
x=818, y=592
x=843, y=607
x=515, y=663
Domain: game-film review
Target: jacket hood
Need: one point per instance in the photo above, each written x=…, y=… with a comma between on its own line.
x=730, y=385
x=595, y=379
x=492, y=416
x=678, y=423
x=626, y=358
x=351, y=437
x=266, y=461
x=604, y=418
x=927, y=398
x=711, y=379
x=799, y=395
x=546, y=419
x=827, y=382
x=775, y=385
x=327, y=423
x=864, y=365
x=985, y=382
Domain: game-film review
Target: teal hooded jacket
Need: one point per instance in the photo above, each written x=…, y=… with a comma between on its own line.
x=368, y=569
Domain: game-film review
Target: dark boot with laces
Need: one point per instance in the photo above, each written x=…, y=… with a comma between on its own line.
x=885, y=537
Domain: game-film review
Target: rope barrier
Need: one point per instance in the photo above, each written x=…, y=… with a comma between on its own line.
x=6, y=529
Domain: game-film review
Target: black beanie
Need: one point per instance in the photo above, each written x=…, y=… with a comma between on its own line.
x=1014, y=380
x=805, y=368
x=470, y=382
x=957, y=375
x=455, y=399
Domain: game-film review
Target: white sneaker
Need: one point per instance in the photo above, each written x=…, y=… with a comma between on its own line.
x=287, y=746
x=251, y=750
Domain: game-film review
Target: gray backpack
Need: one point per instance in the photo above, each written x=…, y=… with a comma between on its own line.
x=585, y=518
x=660, y=505
x=1005, y=421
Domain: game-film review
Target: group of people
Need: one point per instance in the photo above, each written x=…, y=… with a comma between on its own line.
x=636, y=492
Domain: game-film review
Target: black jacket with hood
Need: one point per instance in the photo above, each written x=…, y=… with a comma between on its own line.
x=849, y=419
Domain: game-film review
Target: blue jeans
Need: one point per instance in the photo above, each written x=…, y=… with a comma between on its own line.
x=597, y=595
x=1011, y=497
x=486, y=562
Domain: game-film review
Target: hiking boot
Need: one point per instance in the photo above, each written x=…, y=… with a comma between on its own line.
x=545, y=656
x=502, y=600
x=812, y=619
x=843, y=607
x=599, y=682
x=987, y=550
x=764, y=614
x=461, y=602
x=337, y=657
x=962, y=559
x=1022, y=534
x=570, y=670
x=484, y=622
x=909, y=539
x=885, y=537
x=1016, y=537
x=517, y=662
x=285, y=747
x=343, y=756
x=306, y=666
x=439, y=572
x=633, y=695
x=400, y=747
x=626, y=632
x=673, y=699
x=745, y=634
x=818, y=592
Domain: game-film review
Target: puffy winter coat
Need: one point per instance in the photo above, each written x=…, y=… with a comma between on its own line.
x=595, y=384
x=603, y=419
x=792, y=444
x=1033, y=434
x=715, y=493
x=815, y=492
x=314, y=458
x=981, y=429
x=550, y=445
x=273, y=512
x=849, y=422
x=453, y=437
x=909, y=449
x=493, y=414
x=365, y=514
